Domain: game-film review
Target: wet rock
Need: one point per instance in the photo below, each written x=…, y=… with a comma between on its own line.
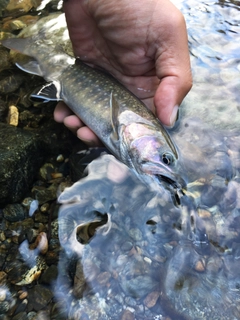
x=138, y=286
x=20, y=158
x=32, y=315
x=49, y=275
x=2, y=237
x=135, y=234
x=7, y=301
x=46, y=170
x=58, y=311
x=13, y=116
x=3, y=5
x=213, y=191
x=40, y=217
x=14, y=212
x=41, y=243
x=18, y=6
x=200, y=266
x=29, y=119
x=19, y=23
x=3, y=110
x=22, y=294
x=127, y=315
x=39, y=297
x=31, y=235
x=5, y=63
x=151, y=299
x=51, y=257
x=20, y=310
x=14, y=25
x=79, y=281
x=20, y=316
x=21, y=226
x=5, y=35
x=103, y=278
x=11, y=83
x=45, y=207
x=15, y=270
x=60, y=158
x=21, y=154
x=3, y=278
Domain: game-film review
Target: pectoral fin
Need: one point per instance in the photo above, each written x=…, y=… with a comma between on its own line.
x=48, y=92
x=114, y=113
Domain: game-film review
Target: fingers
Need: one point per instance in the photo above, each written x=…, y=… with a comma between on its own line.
x=64, y=115
x=61, y=111
x=88, y=137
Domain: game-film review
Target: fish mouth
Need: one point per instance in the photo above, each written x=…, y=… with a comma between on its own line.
x=165, y=175
x=170, y=180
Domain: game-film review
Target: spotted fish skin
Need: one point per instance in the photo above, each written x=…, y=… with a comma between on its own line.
x=122, y=122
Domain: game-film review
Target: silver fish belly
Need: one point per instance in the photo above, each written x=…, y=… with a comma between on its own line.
x=121, y=121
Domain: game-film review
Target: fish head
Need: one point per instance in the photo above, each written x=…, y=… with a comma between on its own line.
x=152, y=156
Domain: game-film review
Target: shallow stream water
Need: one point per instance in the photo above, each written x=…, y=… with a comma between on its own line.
x=213, y=33
x=129, y=252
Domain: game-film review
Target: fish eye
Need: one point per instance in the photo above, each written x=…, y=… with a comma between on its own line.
x=167, y=158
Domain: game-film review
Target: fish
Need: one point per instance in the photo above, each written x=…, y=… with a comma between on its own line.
x=128, y=129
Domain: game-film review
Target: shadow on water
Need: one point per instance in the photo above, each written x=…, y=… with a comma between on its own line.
x=128, y=251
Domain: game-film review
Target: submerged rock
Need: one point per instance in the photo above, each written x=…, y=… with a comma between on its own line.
x=132, y=244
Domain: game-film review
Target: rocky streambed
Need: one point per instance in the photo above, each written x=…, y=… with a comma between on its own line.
x=34, y=157
x=116, y=250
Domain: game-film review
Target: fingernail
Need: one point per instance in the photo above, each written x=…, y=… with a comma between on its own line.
x=174, y=116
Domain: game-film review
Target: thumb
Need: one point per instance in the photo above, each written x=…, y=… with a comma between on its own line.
x=172, y=68
x=168, y=97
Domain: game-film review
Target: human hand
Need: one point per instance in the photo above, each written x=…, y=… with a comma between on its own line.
x=143, y=44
